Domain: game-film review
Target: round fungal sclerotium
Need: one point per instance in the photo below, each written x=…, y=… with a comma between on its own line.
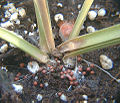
x=102, y=12
x=58, y=17
x=106, y=62
x=92, y=14
x=90, y=29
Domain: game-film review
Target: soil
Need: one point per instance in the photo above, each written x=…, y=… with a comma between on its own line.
x=99, y=87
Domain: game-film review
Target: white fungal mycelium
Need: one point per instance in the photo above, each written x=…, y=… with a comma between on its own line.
x=58, y=17
x=3, y=48
x=63, y=97
x=102, y=12
x=92, y=14
x=33, y=67
x=90, y=29
x=39, y=97
x=69, y=62
x=17, y=88
x=59, y=5
x=106, y=62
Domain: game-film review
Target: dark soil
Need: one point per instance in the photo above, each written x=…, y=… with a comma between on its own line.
x=99, y=87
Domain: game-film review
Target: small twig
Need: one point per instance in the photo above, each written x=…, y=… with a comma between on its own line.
x=116, y=75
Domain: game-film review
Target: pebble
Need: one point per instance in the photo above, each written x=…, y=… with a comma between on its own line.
x=102, y=12
x=85, y=97
x=17, y=88
x=92, y=15
x=6, y=24
x=106, y=62
x=60, y=5
x=3, y=48
x=39, y=97
x=63, y=97
x=21, y=12
x=58, y=17
x=33, y=67
x=14, y=16
x=90, y=29
x=79, y=6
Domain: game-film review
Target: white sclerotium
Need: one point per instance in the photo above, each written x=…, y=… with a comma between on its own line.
x=22, y=12
x=58, y=17
x=39, y=97
x=60, y=5
x=17, y=88
x=3, y=48
x=33, y=67
x=6, y=24
x=90, y=29
x=106, y=62
x=63, y=97
x=102, y=12
x=92, y=14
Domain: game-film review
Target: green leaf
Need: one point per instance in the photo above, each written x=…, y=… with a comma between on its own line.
x=96, y=40
x=44, y=24
x=81, y=18
x=23, y=45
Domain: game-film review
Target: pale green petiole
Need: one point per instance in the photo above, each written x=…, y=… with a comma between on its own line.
x=23, y=45
x=81, y=18
x=44, y=25
x=99, y=39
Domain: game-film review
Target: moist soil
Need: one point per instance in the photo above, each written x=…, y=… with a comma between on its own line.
x=99, y=87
